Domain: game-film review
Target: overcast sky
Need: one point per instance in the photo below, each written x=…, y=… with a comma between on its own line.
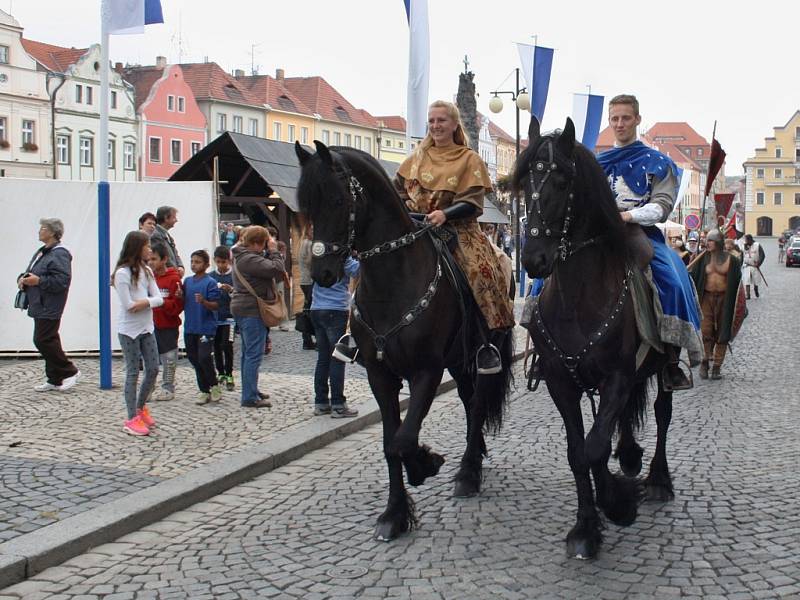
x=693, y=61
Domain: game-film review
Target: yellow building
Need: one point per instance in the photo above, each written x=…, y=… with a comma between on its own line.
x=288, y=119
x=392, y=139
x=772, y=182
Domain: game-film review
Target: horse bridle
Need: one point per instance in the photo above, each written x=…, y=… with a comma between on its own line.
x=566, y=247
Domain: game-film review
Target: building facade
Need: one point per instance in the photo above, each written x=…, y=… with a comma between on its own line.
x=772, y=182
x=391, y=139
x=26, y=148
x=171, y=125
x=77, y=114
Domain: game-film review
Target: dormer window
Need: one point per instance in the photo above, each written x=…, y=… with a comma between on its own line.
x=286, y=103
x=342, y=115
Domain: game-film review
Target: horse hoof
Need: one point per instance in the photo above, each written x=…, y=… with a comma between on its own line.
x=582, y=549
x=466, y=489
x=385, y=531
x=658, y=493
x=631, y=470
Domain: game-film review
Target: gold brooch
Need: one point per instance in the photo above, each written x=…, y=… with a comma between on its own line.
x=426, y=177
x=452, y=180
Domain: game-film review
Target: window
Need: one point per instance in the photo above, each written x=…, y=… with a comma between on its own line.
x=368, y=145
x=155, y=150
x=326, y=137
x=222, y=123
x=113, y=99
x=777, y=198
x=176, y=152
x=292, y=137
x=304, y=135
x=2, y=128
x=254, y=127
x=276, y=131
x=348, y=140
x=62, y=149
x=760, y=173
x=796, y=199
x=128, y=153
x=387, y=142
x=699, y=152
x=778, y=173
x=171, y=103
x=760, y=198
x=238, y=124
x=403, y=145
x=195, y=148
x=797, y=155
x=181, y=104
x=86, y=151
x=4, y=55
x=357, y=140
x=89, y=92
x=778, y=152
x=79, y=93
x=112, y=154
x=27, y=131
x=337, y=138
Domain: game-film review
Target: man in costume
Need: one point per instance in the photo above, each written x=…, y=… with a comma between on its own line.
x=645, y=184
x=751, y=273
x=716, y=277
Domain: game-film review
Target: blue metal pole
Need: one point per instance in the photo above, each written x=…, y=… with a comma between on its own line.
x=104, y=280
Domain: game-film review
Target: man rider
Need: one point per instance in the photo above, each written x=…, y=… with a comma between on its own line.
x=645, y=185
x=716, y=277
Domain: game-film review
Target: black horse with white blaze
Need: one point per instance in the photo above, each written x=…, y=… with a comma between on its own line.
x=406, y=318
x=583, y=325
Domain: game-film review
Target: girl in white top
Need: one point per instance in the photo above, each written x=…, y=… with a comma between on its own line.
x=138, y=294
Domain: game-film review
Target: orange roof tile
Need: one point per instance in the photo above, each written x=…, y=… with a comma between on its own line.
x=394, y=122
x=497, y=131
x=209, y=80
x=271, y=91
x=54, y=58
x=142, y=79
x=677, y=155
x=680, y=133
x=323, y=99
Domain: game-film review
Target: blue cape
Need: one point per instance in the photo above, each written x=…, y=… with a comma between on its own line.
x=634, y=163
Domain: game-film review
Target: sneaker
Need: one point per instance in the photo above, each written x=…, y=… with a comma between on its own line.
x=216, y=394
x=343, y=411
x=229, y=385
x=345, y=349
x=203, y=398
x=488, y=360
x=164, y=395
x=69, y=382
x=322, y=409
x=262, y=403
x=45, y=387
x=146, y=417
x=136, y=426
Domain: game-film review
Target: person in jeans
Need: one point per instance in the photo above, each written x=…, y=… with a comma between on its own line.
x=223, y=342
x=46, y=283
x=330, y=308
x=138, y=295
x=259, y=270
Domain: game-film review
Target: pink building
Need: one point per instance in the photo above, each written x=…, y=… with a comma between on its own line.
x=172, y=126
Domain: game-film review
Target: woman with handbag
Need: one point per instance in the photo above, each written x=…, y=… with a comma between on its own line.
x=254, y=296
x=45, y=284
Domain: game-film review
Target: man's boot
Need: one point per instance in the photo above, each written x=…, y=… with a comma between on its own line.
x=755, y=289
x=715, y=374
x=346, y=349
x=704, y=369
x=674, y=377
x=747, y=292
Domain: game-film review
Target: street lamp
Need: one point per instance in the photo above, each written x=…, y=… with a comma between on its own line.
x=522, y=101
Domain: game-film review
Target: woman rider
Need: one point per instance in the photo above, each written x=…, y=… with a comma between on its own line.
x=446, y=180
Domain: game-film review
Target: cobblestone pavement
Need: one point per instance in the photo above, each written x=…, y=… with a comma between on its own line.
x=304, y=530
x=64, y=453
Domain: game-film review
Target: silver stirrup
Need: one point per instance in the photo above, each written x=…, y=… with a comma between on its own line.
x=490, y=370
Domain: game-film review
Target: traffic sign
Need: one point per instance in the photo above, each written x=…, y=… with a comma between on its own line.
x=692, y=221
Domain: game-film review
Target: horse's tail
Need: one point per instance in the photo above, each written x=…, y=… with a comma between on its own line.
x=635, y=409
x=494, y=390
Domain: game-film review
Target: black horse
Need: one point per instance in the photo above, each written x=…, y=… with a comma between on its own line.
x=583, y=325
x=406, y=318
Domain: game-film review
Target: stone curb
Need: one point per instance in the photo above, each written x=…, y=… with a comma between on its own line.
x=32, y=553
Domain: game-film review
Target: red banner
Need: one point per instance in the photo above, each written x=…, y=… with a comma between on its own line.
x=714, y=163
x=723, y=202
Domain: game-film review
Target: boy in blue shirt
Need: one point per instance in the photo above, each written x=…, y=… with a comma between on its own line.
x=223, y=342
x=201, y=301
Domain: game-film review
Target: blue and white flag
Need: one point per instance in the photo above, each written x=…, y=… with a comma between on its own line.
x=537, y=63
x=587, y=114
x=130, y=16
x=419, y=61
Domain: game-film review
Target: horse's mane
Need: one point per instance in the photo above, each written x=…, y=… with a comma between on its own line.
x=594, y=199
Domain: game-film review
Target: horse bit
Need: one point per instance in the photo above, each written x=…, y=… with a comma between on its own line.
x=320, y=249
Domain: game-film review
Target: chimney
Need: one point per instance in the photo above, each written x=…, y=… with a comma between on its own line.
x=238, y=73
x=161, y=62
x=279, y=74
x=118, y=67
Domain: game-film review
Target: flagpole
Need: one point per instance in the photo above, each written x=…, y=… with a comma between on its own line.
x=705, y=195
x=103, y=209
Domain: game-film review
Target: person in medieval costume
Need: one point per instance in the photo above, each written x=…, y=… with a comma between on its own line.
x=445, y=180
x=645, y=185
x=751, y=273
x=716, y=275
